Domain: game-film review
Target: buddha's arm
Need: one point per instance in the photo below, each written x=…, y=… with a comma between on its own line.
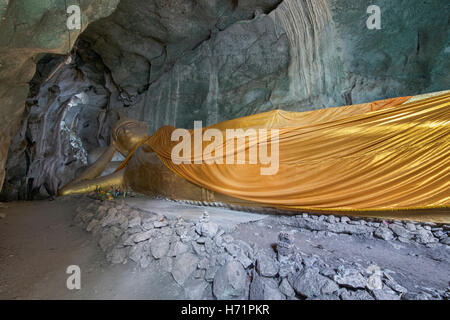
x=96, y=168
x=88, y=177
x=86, y=186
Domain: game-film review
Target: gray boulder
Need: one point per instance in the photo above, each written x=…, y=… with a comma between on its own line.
x=384, y=233
x=391, y=283
x=209, y=229
x=355, y=295
x=244, y=260
x=159, y=247
x=425, y=236
x=325, y=297
x=286, y=288
x=264, y=289
x=143, y=236
x=350, y=278
x=161, y=223
x=195, y=289
x=92, y=225
x=231, y=282
x=137, y=251
x=107, y=241
x=118, y=255
x=147, y=223
x=183, y=267
x=385, y=293
x=177, y=248
x=211, y=273
x=401, y=231
x=165, y=264
x=310, y=283
x=422, y=296
x=134, y=222
x=266, y=266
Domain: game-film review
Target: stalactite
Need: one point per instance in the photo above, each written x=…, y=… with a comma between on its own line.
x=303, y=22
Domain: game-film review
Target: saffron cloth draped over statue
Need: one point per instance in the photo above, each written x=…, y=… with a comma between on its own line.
x=385, y=155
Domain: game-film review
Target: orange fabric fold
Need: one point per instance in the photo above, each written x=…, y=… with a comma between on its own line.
x=383, y=155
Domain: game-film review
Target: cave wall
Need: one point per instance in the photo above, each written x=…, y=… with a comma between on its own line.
x=215, y=62
x=170, y=62
x=27, y=29
x=181, y=61
x=408, y=56
x=66, y=117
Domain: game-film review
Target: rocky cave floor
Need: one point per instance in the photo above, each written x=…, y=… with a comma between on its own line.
x=141, y=248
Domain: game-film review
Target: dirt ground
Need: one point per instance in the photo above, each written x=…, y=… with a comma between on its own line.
x=37, y=244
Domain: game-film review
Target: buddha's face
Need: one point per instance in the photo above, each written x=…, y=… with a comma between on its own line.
x=128, y=133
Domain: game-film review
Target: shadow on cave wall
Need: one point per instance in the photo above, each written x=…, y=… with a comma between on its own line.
x=69, y=112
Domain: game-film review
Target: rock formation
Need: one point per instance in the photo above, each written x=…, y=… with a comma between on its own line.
x=28, y=29
x=210, y=262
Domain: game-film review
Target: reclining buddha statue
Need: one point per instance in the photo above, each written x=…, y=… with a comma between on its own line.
x=389, y=155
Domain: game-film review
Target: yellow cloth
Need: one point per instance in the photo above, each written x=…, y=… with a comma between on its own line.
x=375, y=156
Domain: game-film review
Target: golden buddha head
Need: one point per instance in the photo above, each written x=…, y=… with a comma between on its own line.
x=127, y=133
